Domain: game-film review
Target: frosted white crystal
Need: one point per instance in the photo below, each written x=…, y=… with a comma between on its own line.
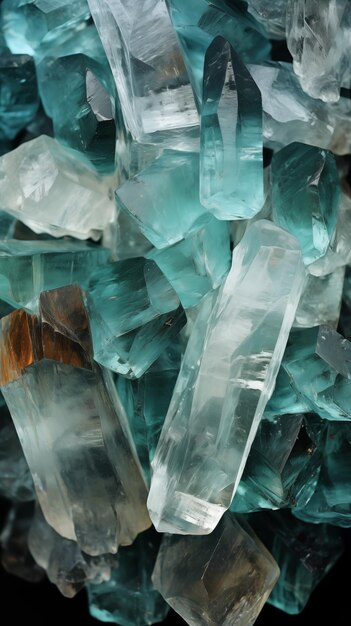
x=150, y=76
x=320, y=302
x=54, y=190
x=227, y=376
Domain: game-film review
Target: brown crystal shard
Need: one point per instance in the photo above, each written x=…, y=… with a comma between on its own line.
x=61, y=332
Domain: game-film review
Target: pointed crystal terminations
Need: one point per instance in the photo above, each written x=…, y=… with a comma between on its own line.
x=142, y=48
x=54, y=190
x=227, y=376
x=305, y=196
x=205, y=579
x=231, y=156
x=318, y=37
x=77, y=445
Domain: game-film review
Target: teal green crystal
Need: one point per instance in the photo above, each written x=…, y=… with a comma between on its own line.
x=305, y=196
x=231, y=154
x=325, y=388
x=164, y=198
x=198, y=22
x=285, y=399
x=197, y=264
x=129, y=597
x=305, y=553
x=29, y=267
x=135, y=315
x=19, y=99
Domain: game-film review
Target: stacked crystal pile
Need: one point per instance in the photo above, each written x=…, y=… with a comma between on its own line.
x=175, y=335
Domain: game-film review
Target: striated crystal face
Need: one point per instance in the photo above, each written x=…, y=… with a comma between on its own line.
x=305, y=196
x=204, y=578
x=231, y=157
x=88, y=480
x=227, y=376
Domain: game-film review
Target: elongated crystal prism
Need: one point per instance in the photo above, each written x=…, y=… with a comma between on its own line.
x=227, y=376
x=224, y=578
x=231, y=156
x=77, y=445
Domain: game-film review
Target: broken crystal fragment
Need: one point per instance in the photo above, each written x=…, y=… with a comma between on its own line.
x=53, y=190
x=231, y=155
x=135, y=313
x=339, y=252
x=305, y=196
x=197, y=264
x=29, y=267
x=151, y=79
x=86, y=474
x=318, y=37
x=65, y=564
x=321, y=300
x=334, y=350
x=205, y=579
x=164, y=198
x=227, y=376
x=270, y=15
x=129, y=598
x=305, y=553
x=19, y=99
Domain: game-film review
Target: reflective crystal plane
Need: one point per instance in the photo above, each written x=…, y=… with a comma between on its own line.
x=227, y=376
x=321, y=300
x=270, y=15
x=19, y=99
x=77, y=445
x=129, y=598
x=53, y=190
x=205, y=579
x=151, y=79
x=318, y=37
x=231, y=155
x=305, y=196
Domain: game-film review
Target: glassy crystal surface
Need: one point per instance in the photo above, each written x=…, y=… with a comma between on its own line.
x=227, y=376
x=18, y=94
x=15, y=478
x=135, y=314
x=223, y=578
x=305, y=196
x=129, y=597
x=150, y=76
x=77, y=445
x=164, y=198
x=318, y=37
x=285, y=399
x=321, y=300
x=15, y=555
x=53, y=190
x=65, y=564
x=324, y=387
x=338, y=253
x=270, y=15
x=305, y=553
x=197, y=264
x=198, y=22
x=29, y=267
x=231, y=156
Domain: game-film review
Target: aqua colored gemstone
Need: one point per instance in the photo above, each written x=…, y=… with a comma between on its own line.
x=135, y=314
x=164, y=198
x=129, y=597
x=19, y=98
x=29, y=267
x=305, y=196
x=197, y=264
x=231, y=154
x=198, y=22
x=304, y=553
x=285, y=399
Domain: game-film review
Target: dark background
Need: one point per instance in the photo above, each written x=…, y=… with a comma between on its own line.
x=42, y=602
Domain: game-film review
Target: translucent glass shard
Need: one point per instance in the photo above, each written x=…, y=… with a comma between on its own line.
x=227, y=376
x=205, y=579
x=19, y=99
x=231, y=157
x=321, y=300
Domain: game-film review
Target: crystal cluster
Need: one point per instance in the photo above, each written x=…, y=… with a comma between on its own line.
x=175, y=302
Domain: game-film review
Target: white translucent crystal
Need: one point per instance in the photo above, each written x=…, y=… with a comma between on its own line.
x=321, y=300
x=227, y=376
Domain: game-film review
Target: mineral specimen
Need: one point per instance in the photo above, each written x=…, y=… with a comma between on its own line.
x=227, y=376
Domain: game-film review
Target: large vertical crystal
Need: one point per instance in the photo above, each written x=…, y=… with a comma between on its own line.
x=231, y=156
x=318, y=37
x=150, y=76
x=221, y=579
x=227, y=376
x=71, y=425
